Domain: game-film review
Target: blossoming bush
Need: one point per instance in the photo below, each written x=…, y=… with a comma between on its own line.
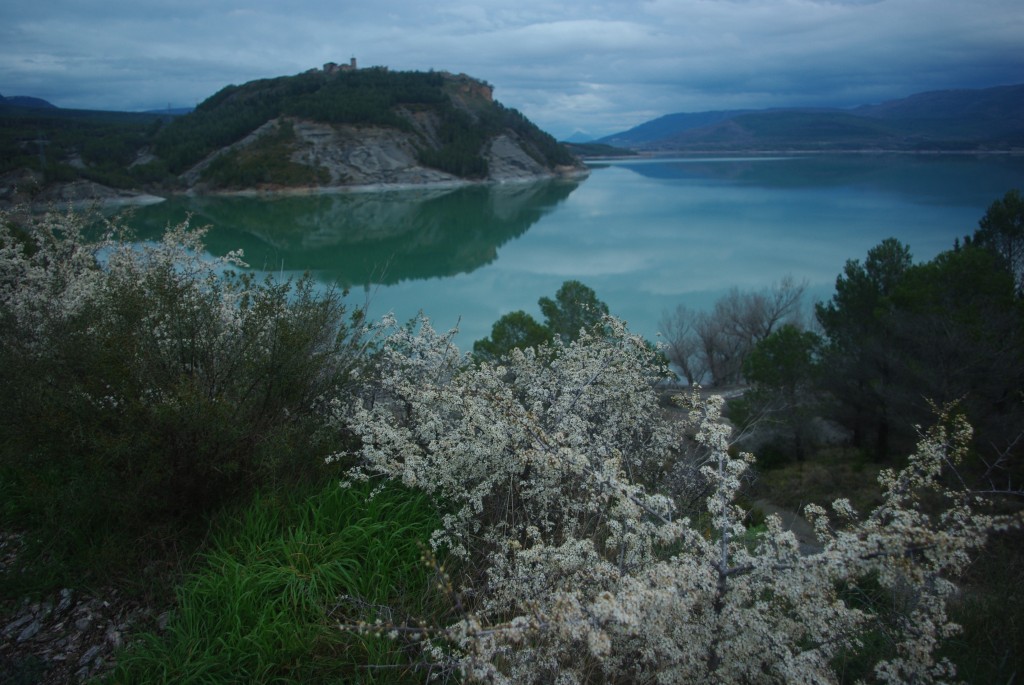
x=146, y=382
x=578, y=563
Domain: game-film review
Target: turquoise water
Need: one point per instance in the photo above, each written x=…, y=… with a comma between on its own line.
x=646, y=235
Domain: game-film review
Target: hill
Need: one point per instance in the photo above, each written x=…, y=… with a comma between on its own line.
x=949, y=120
x=598, y=150
x=359, y=127
x=323, y=128
x=667, y=126
x=25, y=101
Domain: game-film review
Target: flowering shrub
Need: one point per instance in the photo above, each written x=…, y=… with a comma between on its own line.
x=147, y=381
x=579, y=564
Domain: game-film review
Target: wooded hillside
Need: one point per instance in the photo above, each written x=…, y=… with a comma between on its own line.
x=443, y=122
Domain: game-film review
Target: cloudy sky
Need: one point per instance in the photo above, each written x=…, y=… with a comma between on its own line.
x=596, y=66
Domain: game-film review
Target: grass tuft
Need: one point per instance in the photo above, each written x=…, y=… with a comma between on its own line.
x=277, y=580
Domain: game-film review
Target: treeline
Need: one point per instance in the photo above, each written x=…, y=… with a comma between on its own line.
x=106, y=144
x=895, y=341
x=574, y=309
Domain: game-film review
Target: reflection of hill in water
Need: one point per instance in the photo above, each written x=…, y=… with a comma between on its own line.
x=915, y=177
x=365, y=238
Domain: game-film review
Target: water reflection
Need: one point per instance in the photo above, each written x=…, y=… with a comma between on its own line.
x=360, y=239
x=646, y=235
x=918, y=178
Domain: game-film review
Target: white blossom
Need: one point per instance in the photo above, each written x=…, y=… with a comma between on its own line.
x=581, y=565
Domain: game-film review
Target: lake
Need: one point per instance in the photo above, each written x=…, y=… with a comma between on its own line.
x=645, y=234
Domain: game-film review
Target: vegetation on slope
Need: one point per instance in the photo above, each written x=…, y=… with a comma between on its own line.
x=265, y=161
x=360, y=97
x=66, y=144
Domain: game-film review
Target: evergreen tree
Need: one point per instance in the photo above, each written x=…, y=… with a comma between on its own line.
x=574, y=308
x=783, y=370
x=1001, y=231
x=861, y=357
x=513, y=330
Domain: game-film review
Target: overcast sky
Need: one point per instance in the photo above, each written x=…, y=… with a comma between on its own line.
x=595, y=66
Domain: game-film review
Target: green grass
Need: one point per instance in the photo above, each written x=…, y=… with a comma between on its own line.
x=278, y=578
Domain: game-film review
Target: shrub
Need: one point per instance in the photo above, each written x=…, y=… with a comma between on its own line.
x=581, y=565
x=148, y=384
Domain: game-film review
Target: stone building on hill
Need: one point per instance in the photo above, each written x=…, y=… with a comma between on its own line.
x=333, y=68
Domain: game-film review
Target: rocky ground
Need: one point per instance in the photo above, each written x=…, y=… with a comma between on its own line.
x=68, y=637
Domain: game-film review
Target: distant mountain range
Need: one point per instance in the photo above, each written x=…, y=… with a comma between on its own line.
x=946, y=120
x=39, y=103
x=26, y=101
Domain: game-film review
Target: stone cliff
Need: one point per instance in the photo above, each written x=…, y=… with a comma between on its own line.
x=347, y=156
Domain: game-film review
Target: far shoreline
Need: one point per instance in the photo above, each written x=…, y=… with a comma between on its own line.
x=656, y=154
x=83, y=194
x=580, y=173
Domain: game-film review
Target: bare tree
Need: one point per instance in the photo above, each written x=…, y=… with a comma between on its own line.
x=781, y=304
x=716, y=343
x=723, y=344
x=754, y=316
x=683, y=346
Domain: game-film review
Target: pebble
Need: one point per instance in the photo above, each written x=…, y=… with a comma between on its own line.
x=89, y=655
x=113, y=636
x=65, y=600
x=16, y=625
x=31, y=631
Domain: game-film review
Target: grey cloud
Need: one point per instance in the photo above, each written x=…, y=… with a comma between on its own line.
x=600, y=66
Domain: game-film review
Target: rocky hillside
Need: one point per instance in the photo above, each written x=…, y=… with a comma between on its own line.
x=356, y=128
x=325, y=128
x=292, y=152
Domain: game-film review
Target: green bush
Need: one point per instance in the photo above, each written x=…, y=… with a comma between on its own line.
x=146, y=386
